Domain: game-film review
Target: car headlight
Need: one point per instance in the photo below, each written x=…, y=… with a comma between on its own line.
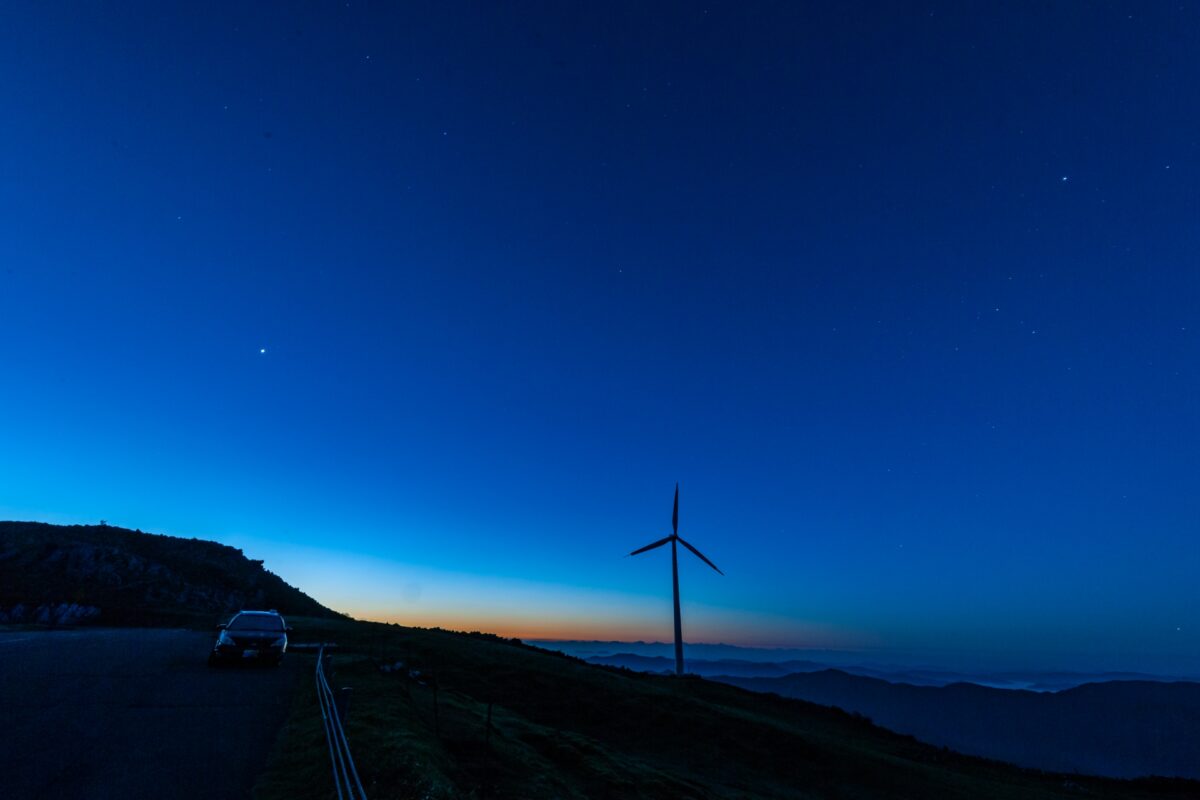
x=280, y=642
x=224, y=639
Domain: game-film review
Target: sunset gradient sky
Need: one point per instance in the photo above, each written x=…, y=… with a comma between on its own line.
x=430, y=306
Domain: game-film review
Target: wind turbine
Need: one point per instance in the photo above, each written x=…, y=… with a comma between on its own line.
x=673, y=538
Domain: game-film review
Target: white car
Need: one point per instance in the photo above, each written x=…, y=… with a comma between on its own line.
x=251, y=637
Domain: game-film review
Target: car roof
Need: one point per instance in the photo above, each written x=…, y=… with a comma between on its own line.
x=261, y=613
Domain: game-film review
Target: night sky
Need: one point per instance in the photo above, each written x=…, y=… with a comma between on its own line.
x=430, y=306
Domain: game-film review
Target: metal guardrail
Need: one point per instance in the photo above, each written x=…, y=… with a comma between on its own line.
x=345, y=775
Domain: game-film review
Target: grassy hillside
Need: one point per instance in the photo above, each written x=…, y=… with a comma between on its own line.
x=562, y=728
x=98, y=573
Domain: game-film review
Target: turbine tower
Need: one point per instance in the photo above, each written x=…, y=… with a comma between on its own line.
x=673, y=538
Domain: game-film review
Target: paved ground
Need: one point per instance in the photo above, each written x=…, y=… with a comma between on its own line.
x=133, y=714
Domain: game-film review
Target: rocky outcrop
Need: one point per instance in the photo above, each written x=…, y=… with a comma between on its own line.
x=49, y=614
x=59, y=574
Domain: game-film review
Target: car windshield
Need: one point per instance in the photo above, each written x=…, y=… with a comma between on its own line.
x=256, y=622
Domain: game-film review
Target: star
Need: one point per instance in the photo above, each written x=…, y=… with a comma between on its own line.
x=262, y=351
x=1064, y=178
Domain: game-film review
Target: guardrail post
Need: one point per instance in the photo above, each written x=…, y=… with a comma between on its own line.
x=437, y=723
x=487, y=728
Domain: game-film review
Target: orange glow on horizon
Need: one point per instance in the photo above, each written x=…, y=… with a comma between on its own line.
x=523, y=629
x=570, y=628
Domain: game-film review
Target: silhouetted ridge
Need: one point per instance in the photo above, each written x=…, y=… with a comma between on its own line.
x=62, y=574
x=1119, y=728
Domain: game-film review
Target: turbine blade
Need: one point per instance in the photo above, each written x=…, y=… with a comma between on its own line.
x=659, y=543
x=675, y=513
x=699, y=554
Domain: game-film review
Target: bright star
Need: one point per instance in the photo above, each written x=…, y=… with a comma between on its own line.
x=1064, y=178
x=262, y=350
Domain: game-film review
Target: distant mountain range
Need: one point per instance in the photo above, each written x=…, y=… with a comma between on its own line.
x=64, y=574
x=1117, y=728
x=586, y=648
x=1039, y=681
x=1119, y=724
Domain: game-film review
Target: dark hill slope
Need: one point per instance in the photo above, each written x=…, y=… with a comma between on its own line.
x=1117, y=728
x=565, y=729
x=114, y=576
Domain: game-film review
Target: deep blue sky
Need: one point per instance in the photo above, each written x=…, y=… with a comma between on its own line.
x=906, y=298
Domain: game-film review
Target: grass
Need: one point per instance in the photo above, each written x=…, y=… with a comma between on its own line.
x=561, y=728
